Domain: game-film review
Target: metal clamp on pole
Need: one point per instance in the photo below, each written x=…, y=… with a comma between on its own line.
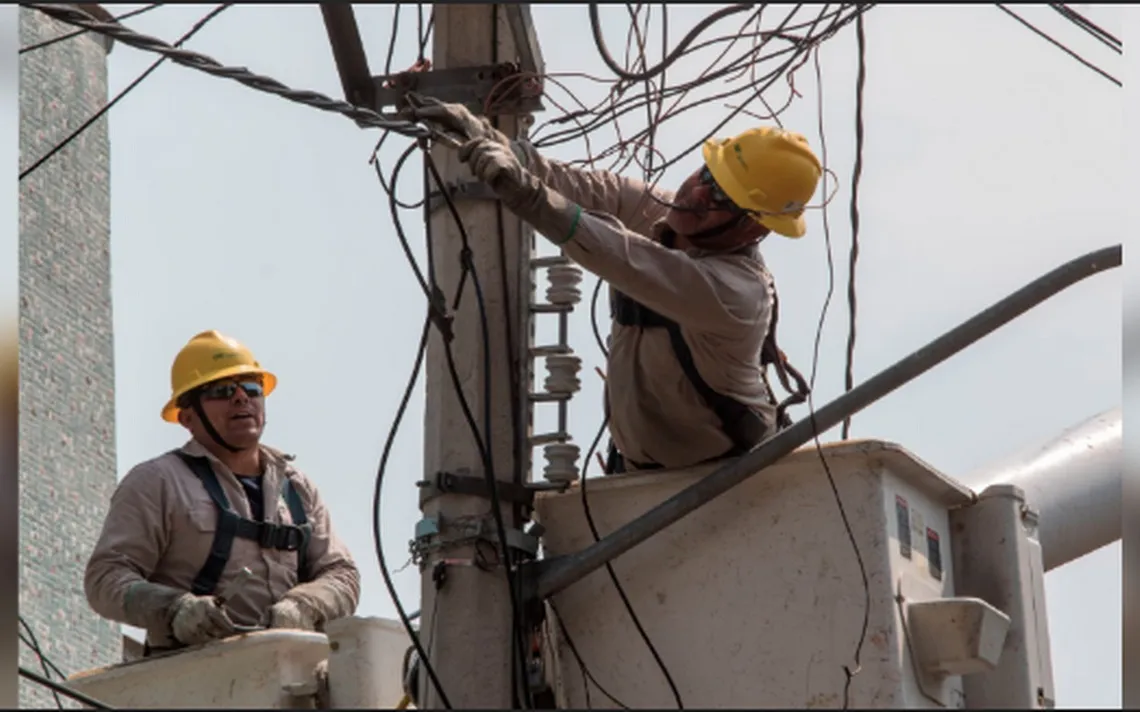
x=467, y=190
x=433, y=537
x=463, y=482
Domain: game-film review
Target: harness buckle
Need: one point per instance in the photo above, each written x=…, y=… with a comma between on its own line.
x=281, y=537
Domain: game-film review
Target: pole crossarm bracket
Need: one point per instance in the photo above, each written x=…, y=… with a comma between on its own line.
x=511, y=90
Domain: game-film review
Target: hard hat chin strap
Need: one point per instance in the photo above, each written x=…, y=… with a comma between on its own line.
x=196, y=404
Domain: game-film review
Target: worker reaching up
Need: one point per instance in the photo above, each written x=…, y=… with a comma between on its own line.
x=693, y=305
x=224, y=531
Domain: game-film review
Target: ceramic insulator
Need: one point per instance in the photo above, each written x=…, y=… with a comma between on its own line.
x=561, y=462
x=562, y=374
x=564, y=281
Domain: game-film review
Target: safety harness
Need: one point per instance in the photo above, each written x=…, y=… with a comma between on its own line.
x=231, y=525
x=741, y=423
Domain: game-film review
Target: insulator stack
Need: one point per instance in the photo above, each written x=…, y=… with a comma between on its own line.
x=561, y=462
x=564, y=281
x=562, y=375
x=563, y=292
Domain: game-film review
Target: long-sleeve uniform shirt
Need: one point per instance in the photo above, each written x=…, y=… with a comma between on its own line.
x=160, y=528
x=721, y=301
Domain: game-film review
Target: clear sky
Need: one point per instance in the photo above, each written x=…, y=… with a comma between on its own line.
x=990, y=158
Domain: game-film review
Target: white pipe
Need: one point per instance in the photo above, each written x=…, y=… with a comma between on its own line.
x=1074, y=484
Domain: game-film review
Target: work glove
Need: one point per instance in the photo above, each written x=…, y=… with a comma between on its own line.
x=198, y=619
x=293, y=614
x=547, y=210
x=453, y=118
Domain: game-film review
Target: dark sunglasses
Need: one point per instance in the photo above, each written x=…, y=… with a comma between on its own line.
x=225, y=391
x=719, y=197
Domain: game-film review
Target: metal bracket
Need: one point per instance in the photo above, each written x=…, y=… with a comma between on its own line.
x=462, y=483
x=470, y=86
x=467, y=190
x=430, y=528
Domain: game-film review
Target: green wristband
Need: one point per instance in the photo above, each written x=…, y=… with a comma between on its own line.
x=573, y=225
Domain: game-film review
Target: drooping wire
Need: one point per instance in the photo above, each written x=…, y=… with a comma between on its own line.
x=33, y=643
x=587, y=676
x=122, y=94
x=856, y=174
x=77, y=33
x=377, y=537
x=848, y=672
x=677, y=53
x=613, y=575
x=1060, y=46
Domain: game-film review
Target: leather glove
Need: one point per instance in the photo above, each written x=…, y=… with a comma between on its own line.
x=521, y=192
x=198, y=619
x=453, y=118
x=293, y=614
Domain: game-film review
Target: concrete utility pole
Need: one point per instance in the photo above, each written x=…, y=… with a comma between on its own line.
x=467, y=620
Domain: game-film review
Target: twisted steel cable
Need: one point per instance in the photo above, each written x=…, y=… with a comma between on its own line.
x=195, y=60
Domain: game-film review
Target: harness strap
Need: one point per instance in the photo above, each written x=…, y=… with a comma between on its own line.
x=301, y=522
x=742, y=424
x=282, y=537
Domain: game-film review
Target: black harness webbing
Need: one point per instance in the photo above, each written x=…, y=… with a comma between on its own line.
x=282, y=537
x=742, y=424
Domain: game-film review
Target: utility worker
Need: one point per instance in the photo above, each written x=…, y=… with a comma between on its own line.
x=693, y=305
x=223, y=534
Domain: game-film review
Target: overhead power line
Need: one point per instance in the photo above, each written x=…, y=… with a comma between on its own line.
x=118, y=97
x=209, y=65
x=77, y=33
x=1090, y=27
x=1062, y=47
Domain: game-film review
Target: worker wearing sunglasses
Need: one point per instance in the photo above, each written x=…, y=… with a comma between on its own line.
x=223, y=534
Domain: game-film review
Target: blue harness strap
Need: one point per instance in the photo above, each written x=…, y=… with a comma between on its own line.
x=282, y=537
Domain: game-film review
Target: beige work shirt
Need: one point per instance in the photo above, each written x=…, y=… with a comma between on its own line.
x=160, y=528
x=722, y=302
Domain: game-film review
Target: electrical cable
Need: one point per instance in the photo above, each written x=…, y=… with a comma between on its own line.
x=33, y=643
x=484, y=447
x=749, y=61
x=518, y=473
x=77, y=33
x=613, y=575
x=204, y=63
x=1088, y=26
x=62, y=689
x=1057, y=44
x=122, y=94
x=848, y=672
x=587, y=676
x=678, y=51
x=377, y=538
x=856, y=174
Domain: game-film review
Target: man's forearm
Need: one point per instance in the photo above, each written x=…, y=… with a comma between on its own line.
x=147, y=605
x=333, y=594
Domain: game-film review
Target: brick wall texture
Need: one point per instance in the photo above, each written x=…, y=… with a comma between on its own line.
x=67, y=415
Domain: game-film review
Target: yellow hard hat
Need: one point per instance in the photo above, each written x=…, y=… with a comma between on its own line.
x=210, y=356
x=768, y=171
